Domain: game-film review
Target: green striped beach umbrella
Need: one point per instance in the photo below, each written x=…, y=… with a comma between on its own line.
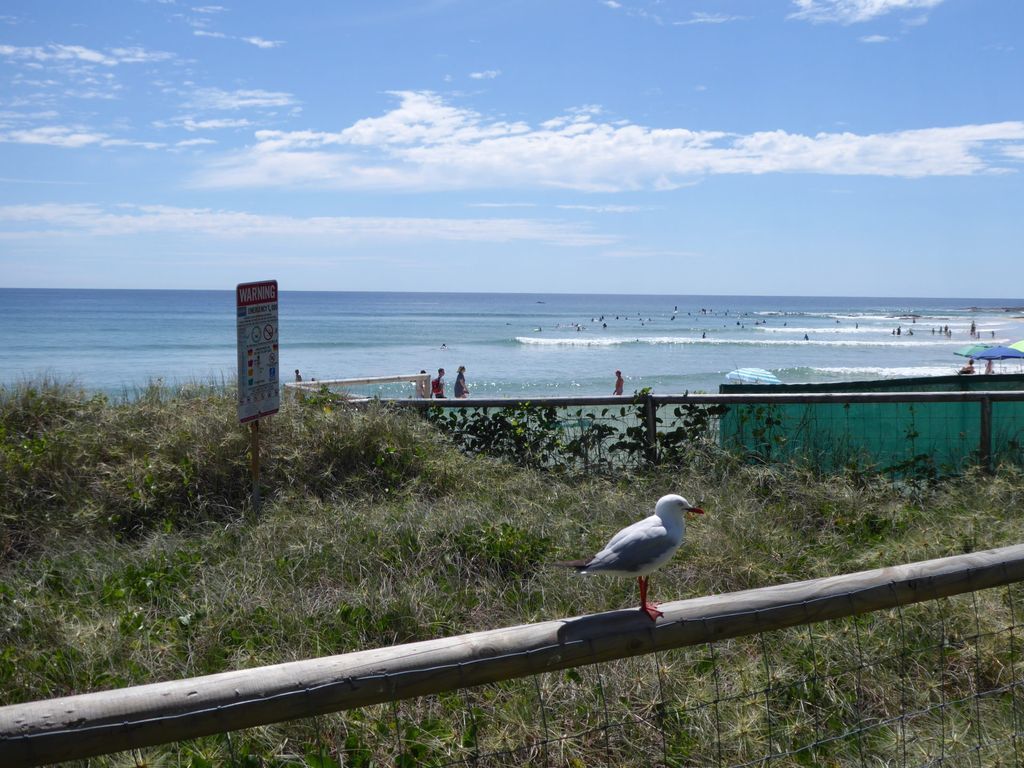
x=1018, y=345
x=971, y=350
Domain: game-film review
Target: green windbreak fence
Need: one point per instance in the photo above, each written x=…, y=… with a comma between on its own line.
x=900, y=438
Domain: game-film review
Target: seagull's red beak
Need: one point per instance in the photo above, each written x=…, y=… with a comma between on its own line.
x=696, y=510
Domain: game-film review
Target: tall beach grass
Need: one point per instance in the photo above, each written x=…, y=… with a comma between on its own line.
x=130, y=554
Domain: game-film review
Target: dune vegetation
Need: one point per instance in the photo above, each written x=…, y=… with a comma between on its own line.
x=130, y=554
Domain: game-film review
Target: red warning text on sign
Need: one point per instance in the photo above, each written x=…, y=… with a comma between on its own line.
x=249, y=294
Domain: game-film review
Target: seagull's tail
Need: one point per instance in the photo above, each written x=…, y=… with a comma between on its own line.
x=579, y=565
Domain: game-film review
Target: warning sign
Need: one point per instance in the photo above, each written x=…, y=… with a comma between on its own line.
x=259, y=392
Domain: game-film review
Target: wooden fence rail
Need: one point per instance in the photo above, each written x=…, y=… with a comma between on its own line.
x=91, y=724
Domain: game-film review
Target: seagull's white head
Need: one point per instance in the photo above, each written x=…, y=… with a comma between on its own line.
x=677, y=504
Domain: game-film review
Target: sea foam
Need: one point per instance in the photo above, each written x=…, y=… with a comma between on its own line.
x=891, y=373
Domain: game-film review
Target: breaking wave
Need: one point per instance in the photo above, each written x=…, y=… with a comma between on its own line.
x=684, y=340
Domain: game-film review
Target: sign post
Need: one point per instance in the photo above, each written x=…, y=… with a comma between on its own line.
x=259, y=392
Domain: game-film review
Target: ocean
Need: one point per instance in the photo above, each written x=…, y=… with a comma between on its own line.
x=119, y=341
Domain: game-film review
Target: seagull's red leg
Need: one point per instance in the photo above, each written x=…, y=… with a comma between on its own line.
x=651, y=609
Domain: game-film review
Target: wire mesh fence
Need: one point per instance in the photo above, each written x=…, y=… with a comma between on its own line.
x=913, y=437
x=934, y=683
x=791, y=697
x=923, y=434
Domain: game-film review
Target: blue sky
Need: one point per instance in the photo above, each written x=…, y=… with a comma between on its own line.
x=836, y=147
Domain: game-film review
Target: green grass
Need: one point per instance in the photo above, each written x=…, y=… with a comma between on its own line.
x=130, y=555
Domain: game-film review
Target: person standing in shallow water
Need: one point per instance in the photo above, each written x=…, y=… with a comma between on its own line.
x=461, y=390
x=619, y=383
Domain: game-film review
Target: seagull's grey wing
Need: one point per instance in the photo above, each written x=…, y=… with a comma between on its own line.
x=635, y=550
x=639, y=528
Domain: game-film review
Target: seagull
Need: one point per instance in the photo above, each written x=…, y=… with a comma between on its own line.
x=643, y=547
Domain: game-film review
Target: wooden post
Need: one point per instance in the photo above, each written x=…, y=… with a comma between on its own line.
x=651, y=431
x=254, y=462
x=985, y=436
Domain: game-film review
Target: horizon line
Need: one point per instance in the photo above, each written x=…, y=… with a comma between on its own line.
x=1018, y=303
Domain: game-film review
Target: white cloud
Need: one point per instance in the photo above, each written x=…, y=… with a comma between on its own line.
x=636, y=12
x=77, y=53
x=206, y=125
x=201, y=28
x=8, y=117
x=698, y=17
x=426, y=143
x=604, y=208
x=46, y=182
x=112, y=92
x=259, y=42
x=54, y=136
x=194, y=142
x=129, y=220
x=875, y=39
x=54, y=52
x=855, y=11
x=137, y=55
x=502, y=205
x=488, y=74
x=215, y=98
x=421, y=118
x=70, y=137
x=73, y=71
